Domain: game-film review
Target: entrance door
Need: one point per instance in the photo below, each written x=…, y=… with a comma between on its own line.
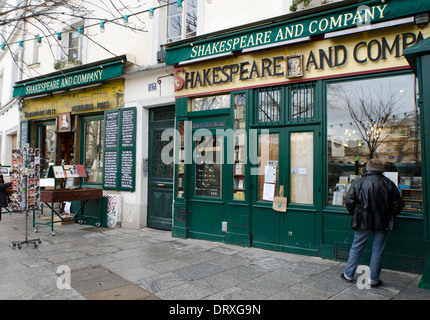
x=160, y=171
x=287, y=161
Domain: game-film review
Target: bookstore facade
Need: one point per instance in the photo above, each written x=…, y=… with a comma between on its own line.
x=295, y=108
x=76, y=117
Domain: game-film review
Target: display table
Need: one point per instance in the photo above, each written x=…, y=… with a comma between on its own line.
x=49, y=197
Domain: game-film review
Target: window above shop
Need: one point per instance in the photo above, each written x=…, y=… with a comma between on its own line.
x=181, y=24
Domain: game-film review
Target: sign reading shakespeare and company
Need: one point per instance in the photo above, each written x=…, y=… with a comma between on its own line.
x=379, y=50
x=367, y=12
x=66, y=80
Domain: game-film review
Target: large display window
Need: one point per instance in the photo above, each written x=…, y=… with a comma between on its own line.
x=374, y=118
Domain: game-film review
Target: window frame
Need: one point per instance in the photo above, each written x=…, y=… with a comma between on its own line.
x=325, y=186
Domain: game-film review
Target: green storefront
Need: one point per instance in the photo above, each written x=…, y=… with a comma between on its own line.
x=295, y=107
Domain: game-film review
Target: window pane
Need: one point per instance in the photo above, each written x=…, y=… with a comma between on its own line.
x=302, y=167
x=268, y=172
x=374, y=118
x=302, y=102
x=47, y=143
x=94, y=133
x=269, y=101
x=210, y=103
x=208, y=163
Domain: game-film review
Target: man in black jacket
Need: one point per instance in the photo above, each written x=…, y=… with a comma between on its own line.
x=374, y=202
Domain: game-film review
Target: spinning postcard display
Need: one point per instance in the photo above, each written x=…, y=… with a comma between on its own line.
x=25, y=179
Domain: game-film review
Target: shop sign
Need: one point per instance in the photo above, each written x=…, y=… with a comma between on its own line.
x=365, y=13
x=105, y=97
x=71, y=79
x=324, y=58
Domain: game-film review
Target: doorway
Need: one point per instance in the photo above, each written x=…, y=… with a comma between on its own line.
x=160, y=172
x=288, y=160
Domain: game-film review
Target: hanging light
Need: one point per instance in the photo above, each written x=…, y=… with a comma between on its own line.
x=125, y=18
x=39, y=41
x=151, y=13
x=80, y=31
x=59, y=36
x=102, y=26
x=3, y=47
x=21, y=45
x=180, y=8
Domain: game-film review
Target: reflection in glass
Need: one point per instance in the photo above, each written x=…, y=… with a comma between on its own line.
x=210, y=103
x=47, y=143
x=269, y=101
x=94, y=134
x=374, y=118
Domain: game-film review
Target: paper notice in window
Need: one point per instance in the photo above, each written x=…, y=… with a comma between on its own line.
x=270, y=174
x=268, y=191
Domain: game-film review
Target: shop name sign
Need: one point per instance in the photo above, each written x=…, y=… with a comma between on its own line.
x=361, y=53
x=290, y=32
x=367, y=13
x=66, y=80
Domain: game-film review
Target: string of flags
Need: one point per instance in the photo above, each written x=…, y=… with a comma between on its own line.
x=101, y=23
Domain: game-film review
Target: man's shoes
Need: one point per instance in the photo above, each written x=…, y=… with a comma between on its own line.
x=377, y=284
x=346, y=279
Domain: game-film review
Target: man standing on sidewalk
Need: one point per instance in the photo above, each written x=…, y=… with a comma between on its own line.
x=374, y=202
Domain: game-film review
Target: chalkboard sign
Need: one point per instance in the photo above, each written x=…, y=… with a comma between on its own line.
x=127, y=165
x=120, y=150
x=208, y=180
x=24, y=133
x=127, y=131
x=110, y=169
x=111, y=130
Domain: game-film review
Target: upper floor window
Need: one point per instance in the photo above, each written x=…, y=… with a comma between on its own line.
x=71, y=42
x=181, y=24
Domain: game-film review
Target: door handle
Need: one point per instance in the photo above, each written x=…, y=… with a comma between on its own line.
x=161, y=185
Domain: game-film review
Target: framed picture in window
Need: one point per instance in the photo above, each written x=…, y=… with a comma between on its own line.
x=294, y=66
x=64, y=124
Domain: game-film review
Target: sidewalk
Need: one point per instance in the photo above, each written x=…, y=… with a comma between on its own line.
x=151, y=264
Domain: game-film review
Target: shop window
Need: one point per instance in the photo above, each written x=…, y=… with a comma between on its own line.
x=269, y=105
x=239, y=146
x=208, y=165
x=47, y=142
x=268, y=171
x=302, y=101
x=181, y=25
x=210, y=103
x=93, y=150
x=302, y=168
x=181, y=159
x=374, y=118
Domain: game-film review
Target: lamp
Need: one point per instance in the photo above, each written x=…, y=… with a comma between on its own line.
x=3, y=47
x=80, y=31
x=59, y=36
x=21, y=45
x=102, y=26
x=151, y=13
x=39, y=41
x=180, y=8
x=125, y=20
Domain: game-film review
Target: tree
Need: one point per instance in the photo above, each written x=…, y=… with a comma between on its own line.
x=23, y=21
x=376, y=116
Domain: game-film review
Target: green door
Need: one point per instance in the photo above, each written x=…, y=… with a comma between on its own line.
x=208, y=180
x=160, y=170
x=287, y=160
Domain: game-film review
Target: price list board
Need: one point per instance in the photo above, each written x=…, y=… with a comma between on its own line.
x=120, y=150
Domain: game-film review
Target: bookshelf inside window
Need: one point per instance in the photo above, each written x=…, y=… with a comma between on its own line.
x=413, y=199
x=181, y=160
x=239, y=147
